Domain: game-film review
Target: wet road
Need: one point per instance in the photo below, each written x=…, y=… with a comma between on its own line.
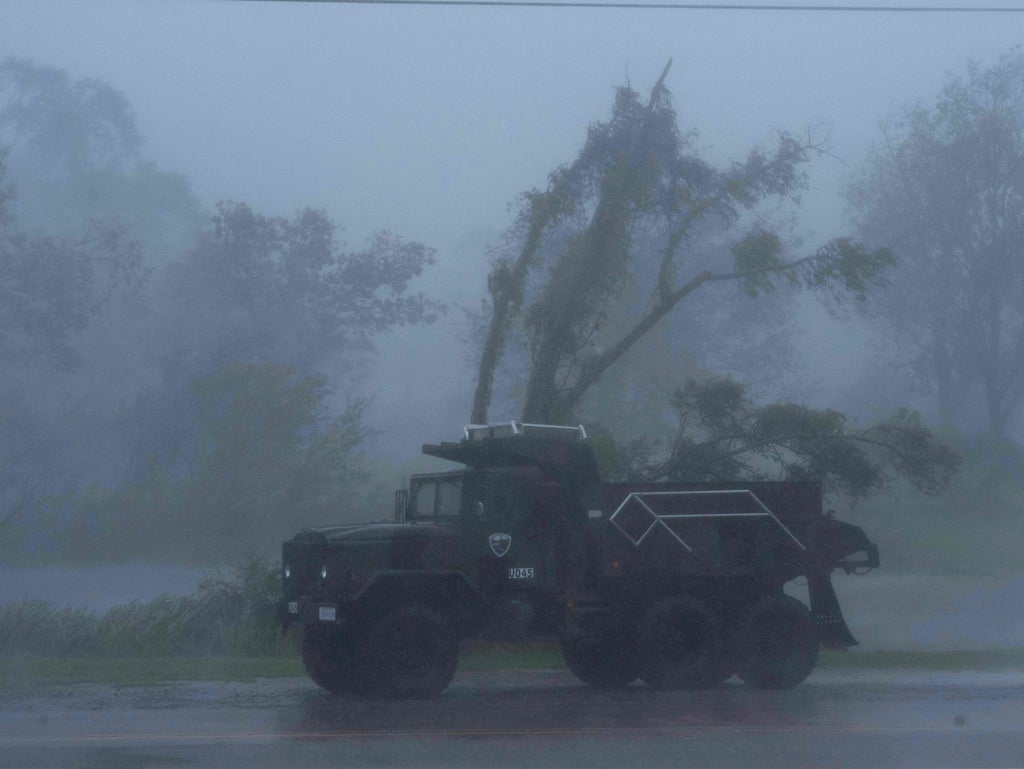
x=525, y=719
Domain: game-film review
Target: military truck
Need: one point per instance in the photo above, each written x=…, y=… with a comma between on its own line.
x=680, y=585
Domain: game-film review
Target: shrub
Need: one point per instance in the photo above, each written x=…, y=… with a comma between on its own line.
x=235, y=614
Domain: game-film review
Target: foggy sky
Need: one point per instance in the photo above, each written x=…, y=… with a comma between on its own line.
x=429, y=121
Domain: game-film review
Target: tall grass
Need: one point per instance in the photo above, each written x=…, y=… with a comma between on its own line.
x=234, y=615
x=36, y=627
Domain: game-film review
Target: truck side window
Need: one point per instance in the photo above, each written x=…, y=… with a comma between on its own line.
x=449, y=498
x=426, y=495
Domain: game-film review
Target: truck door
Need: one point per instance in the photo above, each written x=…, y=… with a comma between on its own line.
x=509, y=543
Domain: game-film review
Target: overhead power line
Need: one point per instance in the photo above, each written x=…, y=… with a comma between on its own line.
x=680, y=6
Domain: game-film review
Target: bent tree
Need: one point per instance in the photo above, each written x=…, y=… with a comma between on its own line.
x=623, y=237
x=640, y=200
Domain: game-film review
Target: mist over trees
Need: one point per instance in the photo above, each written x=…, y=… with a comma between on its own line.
x=282, y=289
x=69, y=126
x=273, y=289
x=177, y=379
x=636, y=226
x=945, y=189
x=50, y=288
x=270, y=458
x=167, y=371
x=74, y=154
x=87, y=208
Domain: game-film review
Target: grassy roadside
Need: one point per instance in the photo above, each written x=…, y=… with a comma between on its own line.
x=21, y=672
x=980, y=660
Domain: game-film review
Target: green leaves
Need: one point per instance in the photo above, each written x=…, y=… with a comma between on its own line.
x=914, y=451
x=755, y=258
x=271, y=460
x=724, y=436
x=842, y=267
x=233, y=614
x=627, y=232
x=845, y=266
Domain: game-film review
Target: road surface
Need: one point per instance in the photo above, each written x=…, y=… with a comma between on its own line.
x=524, y=719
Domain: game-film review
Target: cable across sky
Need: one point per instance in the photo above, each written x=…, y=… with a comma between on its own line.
x=777, y=8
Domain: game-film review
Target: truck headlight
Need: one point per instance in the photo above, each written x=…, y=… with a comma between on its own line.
x=287, y=571
x=323, y=571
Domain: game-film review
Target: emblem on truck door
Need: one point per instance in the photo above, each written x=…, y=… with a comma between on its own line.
x=500, y=543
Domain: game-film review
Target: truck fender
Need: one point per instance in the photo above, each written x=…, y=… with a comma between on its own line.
x=444, y=590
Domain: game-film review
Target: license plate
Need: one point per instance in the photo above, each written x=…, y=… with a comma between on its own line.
x=525, y=572
x=328, y=614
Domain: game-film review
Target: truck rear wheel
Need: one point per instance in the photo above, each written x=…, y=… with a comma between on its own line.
x=408, y=652
x=680, y=645
x=780, y=643
x=609, y=663
x=327, y=656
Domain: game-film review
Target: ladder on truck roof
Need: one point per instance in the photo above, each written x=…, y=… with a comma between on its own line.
x=514, y=429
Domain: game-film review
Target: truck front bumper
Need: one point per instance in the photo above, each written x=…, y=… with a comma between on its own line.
x=305, y=611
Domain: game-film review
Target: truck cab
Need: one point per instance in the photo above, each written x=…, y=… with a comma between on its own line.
x=510, y=524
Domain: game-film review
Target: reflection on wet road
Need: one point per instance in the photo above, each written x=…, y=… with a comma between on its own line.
x=522, y=719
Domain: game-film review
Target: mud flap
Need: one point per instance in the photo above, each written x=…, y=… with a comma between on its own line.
x=832, y=629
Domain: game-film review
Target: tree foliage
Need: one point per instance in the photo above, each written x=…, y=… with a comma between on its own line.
x=269, y=450
x=639, y=180
x=283, y=289
x=640, y=214
x=271, y=459
x=946, y=190
x=72, y=124
x=51, y=287
x=124, y=452
x=90, y=224
x=73, y=151
x=722, y=436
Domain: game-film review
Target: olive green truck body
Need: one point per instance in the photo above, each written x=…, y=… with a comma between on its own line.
x=678, y=584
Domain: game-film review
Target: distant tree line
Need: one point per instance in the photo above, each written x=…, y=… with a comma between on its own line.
x=945, y=189
x=166, y=370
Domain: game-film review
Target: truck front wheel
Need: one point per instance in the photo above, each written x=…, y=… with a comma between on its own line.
x=327, y=655
x=408, y=652
x=779, y=643
x=609, y=663
x=680, y=645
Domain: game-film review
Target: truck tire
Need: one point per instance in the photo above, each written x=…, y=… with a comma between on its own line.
x=408, y=652
x=679, y=641
x=609, y=663
x=780, y=643
x=327, y=656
